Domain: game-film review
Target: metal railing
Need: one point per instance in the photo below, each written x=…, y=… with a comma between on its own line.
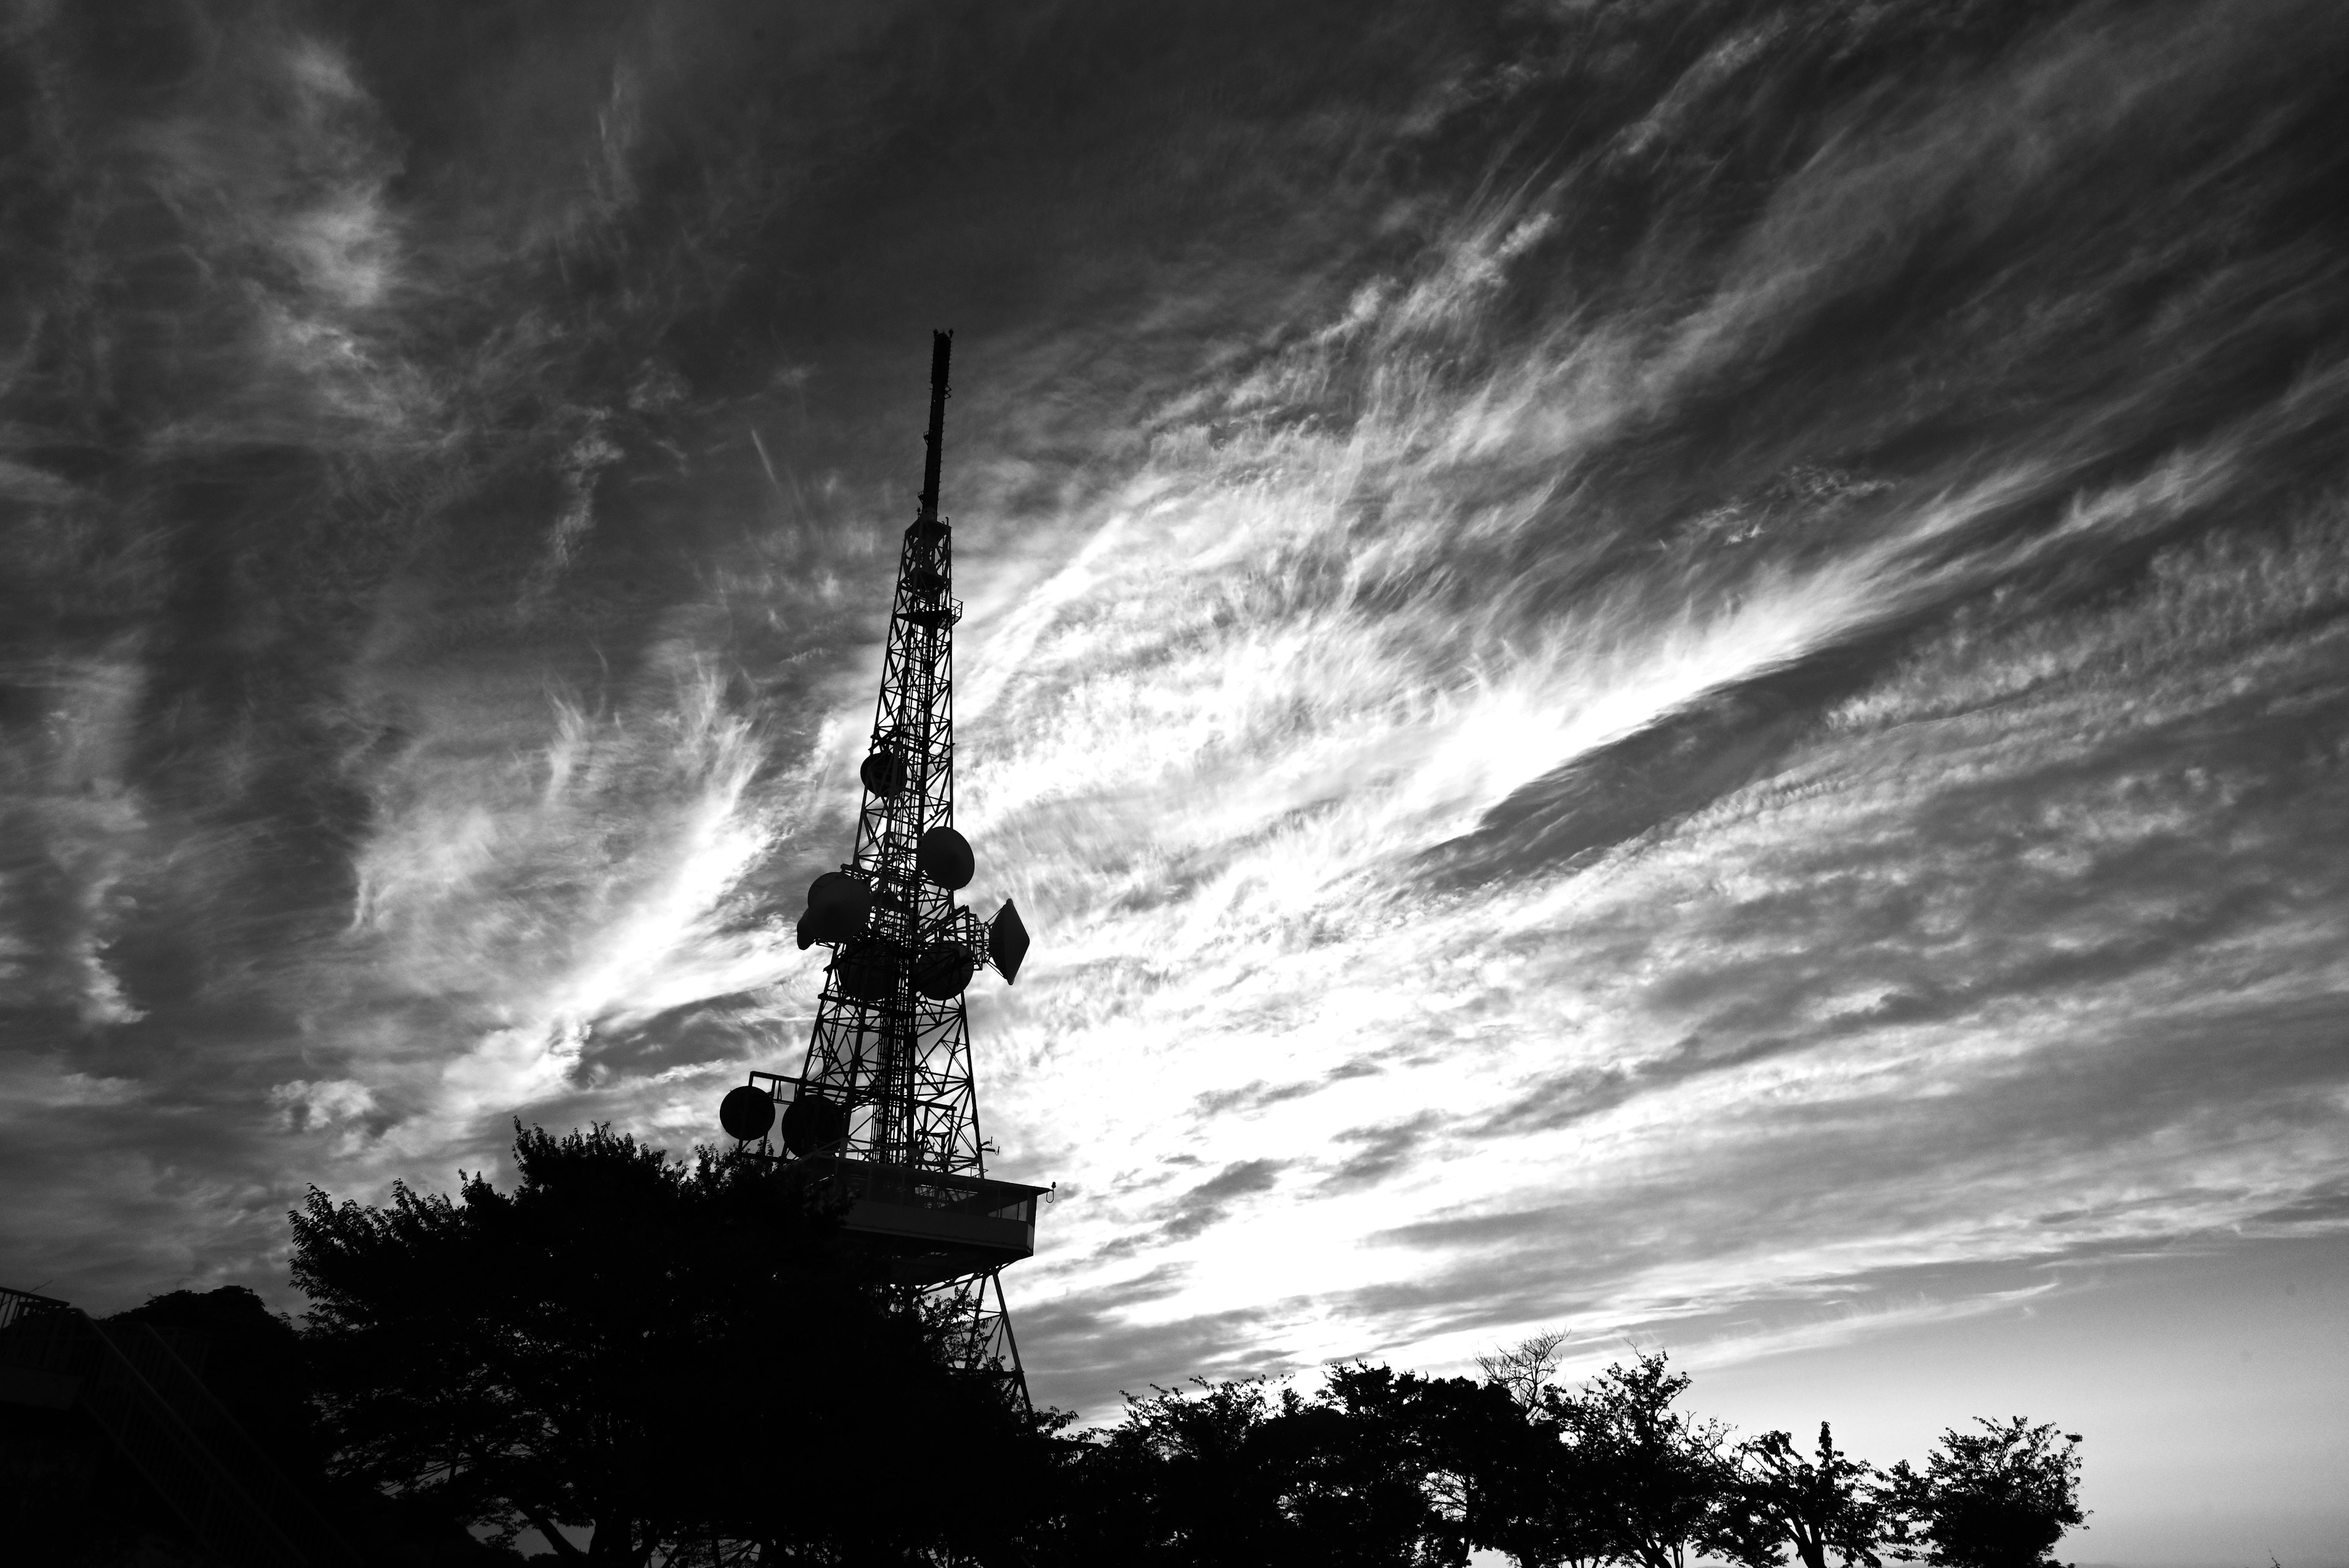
x=17, y=1306
x=38, y=1333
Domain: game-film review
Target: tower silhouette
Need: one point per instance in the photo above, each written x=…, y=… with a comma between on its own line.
x=883, y=1115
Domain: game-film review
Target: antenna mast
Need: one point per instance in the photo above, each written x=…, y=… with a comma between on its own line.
x=884, y=1111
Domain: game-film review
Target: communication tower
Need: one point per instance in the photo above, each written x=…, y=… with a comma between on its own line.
x=884, y=1116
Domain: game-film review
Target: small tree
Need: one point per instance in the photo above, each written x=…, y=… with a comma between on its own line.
x=1999, y=1498
x=1829, y=1503
x=1648, y=1481
x=1399, y=1466
x=1187, y=1478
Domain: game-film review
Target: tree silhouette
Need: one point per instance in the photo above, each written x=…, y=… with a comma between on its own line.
x=1542, y=1499
x=1826, y=1503
x=680, y=1358
x=1194, y=1479
x=1378, y=1468
x=1648, y=1483
x=251, y=1359
x=1999, y=1498
x=668, y=1355
x=1393, y=1467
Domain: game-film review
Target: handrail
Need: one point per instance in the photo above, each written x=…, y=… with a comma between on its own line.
x=36, y=1331
x=17, y=1306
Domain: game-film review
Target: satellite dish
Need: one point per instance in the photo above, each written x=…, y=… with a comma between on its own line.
x=746, y=1112
x=811, y=1122
x=944, y=858
x=838, y=906
x=943, y=970
x=867, y=972
x=884, y=772
x=838, y=888
x=1006, y=942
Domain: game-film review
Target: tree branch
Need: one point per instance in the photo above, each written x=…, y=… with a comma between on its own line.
x=555, y=1538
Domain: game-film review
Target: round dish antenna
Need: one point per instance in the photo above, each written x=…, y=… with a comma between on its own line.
x=867, y=971
x=943, y=970
x=811, y=1122
x=747, y=1111
x=884, y=772
x=838, y=906
x=945, y=858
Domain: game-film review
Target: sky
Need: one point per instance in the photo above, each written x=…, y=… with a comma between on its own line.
x=1678, y=672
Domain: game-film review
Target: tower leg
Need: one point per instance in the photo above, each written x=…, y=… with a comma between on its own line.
x=981, y=1338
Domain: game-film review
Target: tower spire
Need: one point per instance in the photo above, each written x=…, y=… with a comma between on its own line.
x=934, y=440
x=884, y=1111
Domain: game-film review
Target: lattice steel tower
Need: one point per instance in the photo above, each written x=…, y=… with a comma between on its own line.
x=884, y=1113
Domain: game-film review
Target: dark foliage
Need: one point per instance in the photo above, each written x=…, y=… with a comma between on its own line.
x=1830, y=1502
x=1642, y=1481
x=1380, y=1467
x=1185, y=1479
x=69, y=1497
x=670, y=1355
x=1999, y=1498
x=1393, y=1469
x=680, y=1361
x=251, y=1360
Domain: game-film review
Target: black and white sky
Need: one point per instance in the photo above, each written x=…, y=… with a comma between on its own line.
x=1676, y=670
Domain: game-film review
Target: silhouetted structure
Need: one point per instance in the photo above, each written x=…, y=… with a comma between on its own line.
x=884, y=1113
x=65, y=1374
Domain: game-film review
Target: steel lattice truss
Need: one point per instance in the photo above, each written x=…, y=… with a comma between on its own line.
x=887, y=1050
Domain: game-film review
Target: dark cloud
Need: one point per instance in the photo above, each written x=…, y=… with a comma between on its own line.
x=1210, y=1201
x=1249, y=1096
x=1381, y=1151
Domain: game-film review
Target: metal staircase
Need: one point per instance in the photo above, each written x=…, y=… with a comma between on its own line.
x=140, y=1393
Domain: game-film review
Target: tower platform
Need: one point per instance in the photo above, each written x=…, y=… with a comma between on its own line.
x=931, y=1225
